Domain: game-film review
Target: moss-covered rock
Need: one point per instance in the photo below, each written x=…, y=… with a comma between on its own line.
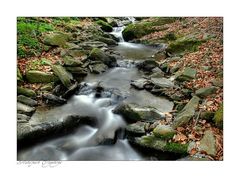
x=164, y=132
x=47, y=87
x=136, y=129
x=139, y=29
x=99, y=68
x=203, y=92
x=185, y=44
x=70, y=61
x=77, y=70
x=108, y=41
x=26, y=100
x=40, y=77
x=186, y=75
x=98, y=55
x=26, y=92
x=19, y=76
x=184, y=116
x=56, y=39
x=218, y=117
x=104, y=26
x=63, y=75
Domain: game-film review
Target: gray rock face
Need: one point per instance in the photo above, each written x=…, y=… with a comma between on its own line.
x=208, y=143
x=26, y=100
x=162, y=82
x=203, y=92
x=164, y=131
x=77, y=70
x=24, y=109
x=63, y=75
x=40, y=77
x=184, y=116
x=98, y=55
x=133, y=113
x=187, y=75
x=147, y=65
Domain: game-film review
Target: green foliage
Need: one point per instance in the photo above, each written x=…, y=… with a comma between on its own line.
x=176, y=148
x=29, y=31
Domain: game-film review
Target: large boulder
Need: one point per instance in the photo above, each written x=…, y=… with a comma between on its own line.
x=104, y=26
x=56, y=39
x=99, y=55
x=25, y=92
x=70, y=61
x=164, y=131
x=53, y=100
x=99, y=68
x=139, y=83
x=26, y=100
x=133, y=113
x=136, y=129
x=184, y=116
x=208, y=143
x=40, y=77
x=187, y=74
x=63, y=75
x=218, y=117
x=108, y=41
x=77, y=70
x=203, y=92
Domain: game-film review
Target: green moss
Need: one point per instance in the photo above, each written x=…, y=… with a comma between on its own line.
x=176, y=148
x=104, y=26
x=25, y=91
x=218, y=117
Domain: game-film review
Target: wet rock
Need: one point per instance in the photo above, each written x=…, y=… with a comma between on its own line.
x=136, y=129
x=26, y=100
x=133, y=113
x=139, y=83
x=187, y=75
x=164, y=131
x=162, y=82
x=77, y=70
x=184, y=116
x=53, y=100
x=72, y=90
x=203, y=92
x=70, y=61
x=56, y=39
x=24, y=109
x=99, y=68
x=147, y=65
x=98, y=55
x=40, y=77
x=26, y=92
x=32, y=133
x=208, y=143
x=218, y=117
x=63, y=75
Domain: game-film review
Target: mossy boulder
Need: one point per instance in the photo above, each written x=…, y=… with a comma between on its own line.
x=218, y=117
x=19, y=76
x=164, y=132
x=133, y=113
x=104, y=26
x=99, y=68
x=108, y=41
x=77, y=70
x=56, y=39
x=139, y=29
x=98, y=55
x=26, y=92
x=185, y=115
x=204, y=92
x=155, y=143
x=186, y=75
x=184, y=44
x=63, y=75
x=26, y=100
x=40, y=77
x=47, y=87
x=70, y=61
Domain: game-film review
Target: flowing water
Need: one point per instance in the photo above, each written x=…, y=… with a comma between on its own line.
x=86, y=142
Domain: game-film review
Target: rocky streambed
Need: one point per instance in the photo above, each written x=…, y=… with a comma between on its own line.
x=109, y=100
